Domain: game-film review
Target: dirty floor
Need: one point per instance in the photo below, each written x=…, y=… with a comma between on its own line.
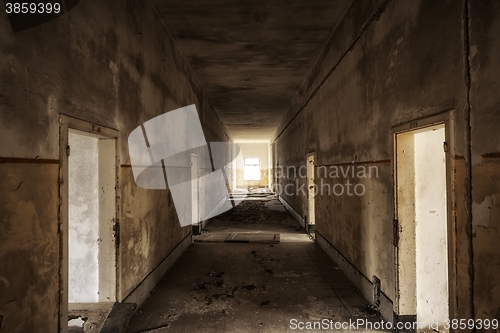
x=252, y=287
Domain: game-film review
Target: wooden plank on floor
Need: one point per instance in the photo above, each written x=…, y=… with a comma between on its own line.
x=118, y=318
x=239, y=238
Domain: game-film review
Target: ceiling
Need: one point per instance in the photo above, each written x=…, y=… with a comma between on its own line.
x=251, y=56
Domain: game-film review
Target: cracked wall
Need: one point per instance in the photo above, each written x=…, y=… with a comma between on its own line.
x=383, y=68
x=485, y=151
x=109, y=63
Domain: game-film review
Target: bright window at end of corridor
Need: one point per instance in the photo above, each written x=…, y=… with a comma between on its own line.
x=252, y=168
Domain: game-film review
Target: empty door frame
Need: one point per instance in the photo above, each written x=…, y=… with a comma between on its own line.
x=195, y=174
x=446, y=118
x=67, y=123
x=311, y=192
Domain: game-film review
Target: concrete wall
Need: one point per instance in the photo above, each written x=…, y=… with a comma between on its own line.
x=109, y=63
x=485, y=155
x=389, y=63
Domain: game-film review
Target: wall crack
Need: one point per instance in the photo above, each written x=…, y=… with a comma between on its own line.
x=468, y=162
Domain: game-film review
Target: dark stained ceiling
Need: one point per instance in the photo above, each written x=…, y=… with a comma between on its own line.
x=251, y=56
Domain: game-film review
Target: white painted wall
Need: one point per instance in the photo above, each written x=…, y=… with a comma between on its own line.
x=194, y=188
x=431, y=226
x=107, y=215
x=407, y=302
x=83, y=219
x=310, y=186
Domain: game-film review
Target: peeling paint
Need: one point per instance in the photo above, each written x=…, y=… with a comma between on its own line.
x=29, y=247
x=482, y=213
x=384, y=82
x=92, y=65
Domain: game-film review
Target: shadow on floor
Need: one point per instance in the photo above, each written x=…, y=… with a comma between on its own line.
x=252, y=287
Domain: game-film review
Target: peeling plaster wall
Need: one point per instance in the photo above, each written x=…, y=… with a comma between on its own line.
x=29, y=249
x=485, y=135
x=407, y=64
x=106, y=62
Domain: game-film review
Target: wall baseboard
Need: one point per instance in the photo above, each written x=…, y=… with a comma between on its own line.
x=357, y=278
x=292, y=211
x=142, y=291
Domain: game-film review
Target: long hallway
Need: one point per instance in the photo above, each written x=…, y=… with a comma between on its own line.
x=252, y=285
x=126, y=125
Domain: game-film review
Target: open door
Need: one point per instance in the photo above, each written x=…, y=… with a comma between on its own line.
x=311, y=193
x=197, y=226
x=92, y=214
x=88, y=219
x=421, y=227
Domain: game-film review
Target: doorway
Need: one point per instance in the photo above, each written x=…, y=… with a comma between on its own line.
x=311, y=193
x=89, y=207
x=197, y=226
x=421, y=225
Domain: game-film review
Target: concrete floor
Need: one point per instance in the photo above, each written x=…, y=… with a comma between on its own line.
x=251, y=287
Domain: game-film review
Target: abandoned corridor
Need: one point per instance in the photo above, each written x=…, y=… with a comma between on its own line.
x=261, y=286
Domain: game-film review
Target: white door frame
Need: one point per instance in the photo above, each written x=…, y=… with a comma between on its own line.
x=195, y=187
x=67, y=123
x=311, y=218
x=446, y=118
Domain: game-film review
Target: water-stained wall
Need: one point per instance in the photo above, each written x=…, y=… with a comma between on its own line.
x=389, y=63
x=109, y=63
x=484, y=48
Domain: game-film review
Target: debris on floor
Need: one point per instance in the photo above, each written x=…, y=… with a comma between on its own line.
x=250, y=287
